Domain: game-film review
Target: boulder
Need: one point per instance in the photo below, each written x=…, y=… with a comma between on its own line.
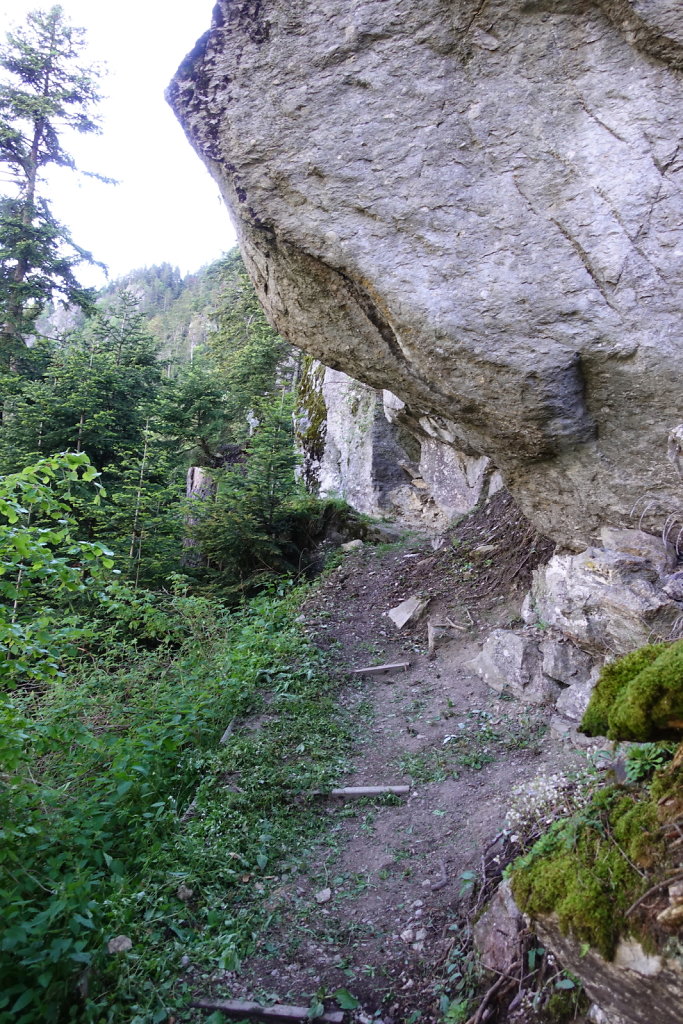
x=564, y=661
x=661, y=554
x=510, y=662
x=573, y=701
x=477, y=207
x=607, y=601
x=635, y=988
x=673, y=586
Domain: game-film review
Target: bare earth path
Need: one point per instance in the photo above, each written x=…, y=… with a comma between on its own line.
x=378, y=911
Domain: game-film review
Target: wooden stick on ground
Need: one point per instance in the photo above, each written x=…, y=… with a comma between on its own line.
x=376, y=670
x=240, y=1008
x=368, y=791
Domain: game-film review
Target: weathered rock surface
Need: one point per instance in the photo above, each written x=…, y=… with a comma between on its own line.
x=358, y=444
x=635, y=988
x=510, y=662
x=608, y=601
x=477, y=206
x=496, y=933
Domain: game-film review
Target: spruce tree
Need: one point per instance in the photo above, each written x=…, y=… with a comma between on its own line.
x=44, y=90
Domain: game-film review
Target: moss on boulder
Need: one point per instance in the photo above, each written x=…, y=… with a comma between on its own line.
x=585, y=870
x=311, y=417
x=639, y=697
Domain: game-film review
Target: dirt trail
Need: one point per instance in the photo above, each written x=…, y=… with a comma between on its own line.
x=397, y=871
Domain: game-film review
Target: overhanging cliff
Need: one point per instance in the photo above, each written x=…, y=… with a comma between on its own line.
x=477, y=206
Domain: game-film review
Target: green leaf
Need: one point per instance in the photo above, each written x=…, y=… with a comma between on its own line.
x=565, y=983
x=24, y=1000
x=345, y=1000
x=85, y=921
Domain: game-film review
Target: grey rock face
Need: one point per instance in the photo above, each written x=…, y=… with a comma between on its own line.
x=635, y=988
x=359, y=444
x=659, y=553
x=496, y=933
x=607, y=601
x=573, y=701
x=510, y=662
x=477, y=206
x=564, y=661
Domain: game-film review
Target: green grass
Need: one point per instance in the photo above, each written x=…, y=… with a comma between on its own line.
x=97, y=776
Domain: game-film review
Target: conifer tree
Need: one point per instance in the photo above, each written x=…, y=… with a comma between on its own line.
x=44, y=90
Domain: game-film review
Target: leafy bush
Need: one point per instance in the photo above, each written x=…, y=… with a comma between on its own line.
x=47, y=575
x=97, y=773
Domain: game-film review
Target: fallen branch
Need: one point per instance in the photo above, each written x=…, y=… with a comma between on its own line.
x=650, y=892
x=239, y=1008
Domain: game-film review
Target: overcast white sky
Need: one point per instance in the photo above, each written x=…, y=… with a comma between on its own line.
x=166, y=208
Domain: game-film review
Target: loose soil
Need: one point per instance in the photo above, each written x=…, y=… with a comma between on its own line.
x=398, y=870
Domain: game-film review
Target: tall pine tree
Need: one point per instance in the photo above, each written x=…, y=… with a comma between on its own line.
x=44, y=90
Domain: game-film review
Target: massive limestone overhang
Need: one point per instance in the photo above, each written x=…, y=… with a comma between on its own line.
x=478, y=206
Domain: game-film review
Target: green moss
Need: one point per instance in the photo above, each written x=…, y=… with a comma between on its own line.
x=584, y=869
x=613, y=679
x=668, y=784
x=639, y=697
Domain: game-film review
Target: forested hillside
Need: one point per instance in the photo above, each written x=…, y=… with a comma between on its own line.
x=123, y=652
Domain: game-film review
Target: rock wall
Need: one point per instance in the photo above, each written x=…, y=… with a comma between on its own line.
x=358, y=444
x=479, y=207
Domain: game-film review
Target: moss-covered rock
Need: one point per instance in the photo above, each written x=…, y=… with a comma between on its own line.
x=639, y=697
x=585, y=870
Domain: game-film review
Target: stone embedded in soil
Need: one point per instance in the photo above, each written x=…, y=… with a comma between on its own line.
x=496, y=933
x=324, y=896
x=407, y=611
x=352, y=545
